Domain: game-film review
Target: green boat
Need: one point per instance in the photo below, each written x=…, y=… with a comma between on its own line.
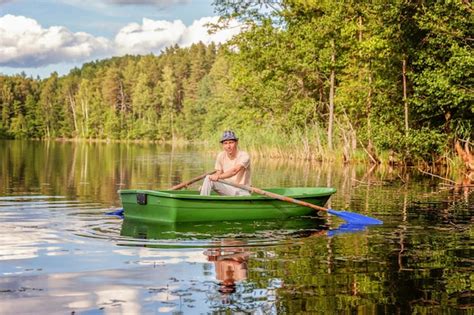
x=189, y=206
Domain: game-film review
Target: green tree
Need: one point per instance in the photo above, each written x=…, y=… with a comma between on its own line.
x=144, y=109
x=443, y=68
x=49, y=108
x=116, y=96
x=169, y=105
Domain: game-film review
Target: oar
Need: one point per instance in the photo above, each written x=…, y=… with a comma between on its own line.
x=189, y=182
x=350, y=217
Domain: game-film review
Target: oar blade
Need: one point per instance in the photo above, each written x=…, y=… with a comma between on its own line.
x=117, y=213
x=355, y=218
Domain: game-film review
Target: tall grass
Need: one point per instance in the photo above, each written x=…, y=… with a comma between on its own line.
x=308, y=144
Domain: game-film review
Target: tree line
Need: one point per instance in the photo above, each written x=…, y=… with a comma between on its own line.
x=390, y=78
x=130, y=97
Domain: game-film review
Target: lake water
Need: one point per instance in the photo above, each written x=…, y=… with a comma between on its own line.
x=61, y=254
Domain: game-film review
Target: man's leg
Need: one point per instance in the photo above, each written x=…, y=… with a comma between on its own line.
x=222, y=189
x=206, y=187
x=225, y=190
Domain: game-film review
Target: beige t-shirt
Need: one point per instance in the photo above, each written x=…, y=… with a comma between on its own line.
x=223, y=163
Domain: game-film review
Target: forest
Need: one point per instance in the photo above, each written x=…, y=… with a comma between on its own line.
x=388, y=81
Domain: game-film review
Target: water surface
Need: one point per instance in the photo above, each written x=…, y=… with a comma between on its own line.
x=60, y=253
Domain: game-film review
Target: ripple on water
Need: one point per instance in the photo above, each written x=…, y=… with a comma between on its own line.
x=184, y=235
x=36, y=224
x=42, y=219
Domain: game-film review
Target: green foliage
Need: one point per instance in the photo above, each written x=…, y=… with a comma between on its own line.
x=299, y=68
x=443, y=68
x=364, y=43
x=425, y=144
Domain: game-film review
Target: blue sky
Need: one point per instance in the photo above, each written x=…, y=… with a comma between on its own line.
x=41, y=36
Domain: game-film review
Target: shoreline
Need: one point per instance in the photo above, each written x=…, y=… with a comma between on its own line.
x=359, y=156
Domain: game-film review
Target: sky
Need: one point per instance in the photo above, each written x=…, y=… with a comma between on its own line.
x=38, y=37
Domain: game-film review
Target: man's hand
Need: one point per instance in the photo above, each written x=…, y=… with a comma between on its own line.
x=214, y=177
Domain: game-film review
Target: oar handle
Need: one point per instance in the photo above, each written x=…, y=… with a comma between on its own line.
x=273, y=195
x=189, y=182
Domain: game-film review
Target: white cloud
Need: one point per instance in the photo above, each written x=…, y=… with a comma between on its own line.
x=153, y=36
x=199, y=31
x=25, y=43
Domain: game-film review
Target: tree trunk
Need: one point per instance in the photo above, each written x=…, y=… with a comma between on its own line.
x=370, y=146
x=174, y=109
x=122, y=106
x=405, y=100
x=85, y=110
x=72, y=103
x=331, y=97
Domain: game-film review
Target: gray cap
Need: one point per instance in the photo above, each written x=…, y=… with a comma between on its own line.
x=229, y=135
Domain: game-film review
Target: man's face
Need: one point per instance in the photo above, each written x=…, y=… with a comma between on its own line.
x=230, y=146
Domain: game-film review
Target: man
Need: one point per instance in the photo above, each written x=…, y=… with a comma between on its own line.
x=232, y=165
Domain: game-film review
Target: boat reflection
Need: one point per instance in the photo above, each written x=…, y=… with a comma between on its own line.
x=253, y=231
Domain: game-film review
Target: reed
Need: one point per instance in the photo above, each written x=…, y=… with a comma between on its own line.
x=298, y=145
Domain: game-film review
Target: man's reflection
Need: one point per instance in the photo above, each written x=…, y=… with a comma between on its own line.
x=230, y=262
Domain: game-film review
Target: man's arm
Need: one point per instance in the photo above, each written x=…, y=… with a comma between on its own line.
x=229, y=173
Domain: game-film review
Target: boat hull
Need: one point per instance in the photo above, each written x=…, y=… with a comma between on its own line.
x=188, y=206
